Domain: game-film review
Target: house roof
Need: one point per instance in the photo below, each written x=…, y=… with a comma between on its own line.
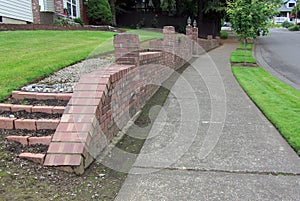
x=283, y=8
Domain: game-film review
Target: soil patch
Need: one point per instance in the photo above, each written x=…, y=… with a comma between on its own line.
x=27, y=115
x=37, y=102
x=38, y=133
x=243, y=65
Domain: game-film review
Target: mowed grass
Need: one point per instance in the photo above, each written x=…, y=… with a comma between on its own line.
x=278, y=101
x=26, y=56
x=237, y=56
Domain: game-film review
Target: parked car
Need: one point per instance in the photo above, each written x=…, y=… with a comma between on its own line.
x=226, y=26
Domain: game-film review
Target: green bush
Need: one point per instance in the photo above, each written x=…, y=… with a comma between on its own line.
x=99, y=12
x=62, y=22
x=294, y=28
x=287, y=24
x=79, y=21
x=223, y=34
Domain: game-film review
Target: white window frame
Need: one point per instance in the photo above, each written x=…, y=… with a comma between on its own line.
x=76, y=5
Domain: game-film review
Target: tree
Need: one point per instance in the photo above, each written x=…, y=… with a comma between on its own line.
x=296, y=10
x=250, y=18
x=210, y=14
x=113, y=11
x=99, y=12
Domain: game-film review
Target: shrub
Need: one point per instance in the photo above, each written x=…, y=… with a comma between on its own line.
x=62, y=22
x=287, y=24
x=140, y=24
x=79, y=21
x=99, y=12
x=223, y=34
x=294, y=28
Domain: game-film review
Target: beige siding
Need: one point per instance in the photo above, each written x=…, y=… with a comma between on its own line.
x=16, y=9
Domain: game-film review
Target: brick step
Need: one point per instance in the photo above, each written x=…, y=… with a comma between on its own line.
x=20, y=95
x=36, y=158
x=28, y=141
x=32, y=109
x=28, y=124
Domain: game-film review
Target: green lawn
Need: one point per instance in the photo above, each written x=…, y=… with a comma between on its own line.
x=278, y=101
x=29, y=55
x=238, y=56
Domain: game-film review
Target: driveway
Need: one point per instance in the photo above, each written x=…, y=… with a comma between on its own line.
x=280, y=55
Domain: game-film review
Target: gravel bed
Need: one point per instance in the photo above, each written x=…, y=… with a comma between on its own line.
x=64, y=80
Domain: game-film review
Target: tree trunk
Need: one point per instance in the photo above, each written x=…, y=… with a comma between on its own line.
x=113, y=11
x=245, y=46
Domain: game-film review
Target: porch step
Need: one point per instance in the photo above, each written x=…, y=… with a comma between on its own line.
x=36, y=158
x=32, y=109
x=30, y=120
x=28, y=124
x=29, y=141
x=20, y=95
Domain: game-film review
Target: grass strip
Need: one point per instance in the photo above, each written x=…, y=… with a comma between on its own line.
x=26, y=56
x=238, y=56
x=278, y=101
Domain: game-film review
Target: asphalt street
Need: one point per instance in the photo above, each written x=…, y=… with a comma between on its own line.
x=279, y=54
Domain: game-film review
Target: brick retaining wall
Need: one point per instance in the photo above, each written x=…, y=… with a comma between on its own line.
x=105, y=100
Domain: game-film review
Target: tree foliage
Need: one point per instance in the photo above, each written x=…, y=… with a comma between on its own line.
x=99, y=12
x=250, y=18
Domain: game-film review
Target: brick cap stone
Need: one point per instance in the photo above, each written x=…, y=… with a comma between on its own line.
x=63, y=160
x=36, y=158
x=20, y=139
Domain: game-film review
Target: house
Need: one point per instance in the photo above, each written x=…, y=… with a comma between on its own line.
x=285, y=12
x=40, y=11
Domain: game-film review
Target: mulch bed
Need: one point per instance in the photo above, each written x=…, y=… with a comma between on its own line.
x=27, y=115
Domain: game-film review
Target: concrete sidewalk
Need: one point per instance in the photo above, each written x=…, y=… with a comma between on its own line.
x=210, y=142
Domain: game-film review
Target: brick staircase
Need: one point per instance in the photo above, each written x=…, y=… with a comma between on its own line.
x=31, y=119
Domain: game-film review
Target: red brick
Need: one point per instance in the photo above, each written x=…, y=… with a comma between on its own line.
x=88, y=94
x=70, y=137
x=49, y=124
x=74, y=127
x=66, y=148
x=19, y=95
x=90, y=87
x=58, y=109
x=65, y=96
x=5, y=107
x=45, y=140
x=7, y=123
x=43, y=109
x=28, y=95
x=81, y=109
x=15, y=95
x=26, y=124
x=21, y=139
x=16, y=108
x=88, y=80
x=63, y=160
x=46, y=96
x=77, y=118
x=82, y=102
x=36, y=158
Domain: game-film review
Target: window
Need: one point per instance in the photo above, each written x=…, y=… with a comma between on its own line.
x=291, y=5
x=72, y=6
x=1, y=19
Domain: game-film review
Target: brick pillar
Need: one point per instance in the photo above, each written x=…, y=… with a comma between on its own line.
x=59, y=6
x=189, y=31
x=169, y=45
x=36, y=12
x=195, y=34
x=127, y=48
